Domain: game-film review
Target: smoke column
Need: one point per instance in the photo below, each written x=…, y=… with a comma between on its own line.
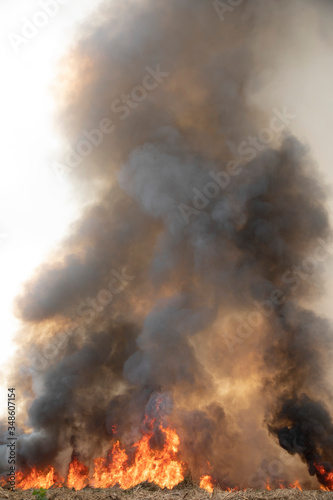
x=191, y=273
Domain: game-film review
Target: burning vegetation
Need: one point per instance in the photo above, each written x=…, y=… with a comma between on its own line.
x=173, y=336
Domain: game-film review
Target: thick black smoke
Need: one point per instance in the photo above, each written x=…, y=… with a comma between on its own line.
x=200, y=209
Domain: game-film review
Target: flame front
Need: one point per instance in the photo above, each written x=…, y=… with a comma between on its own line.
x=38, y=479
x=144, y=462
x=159, y=465
x=78, y=475
x=156, y=466
x=206, y=483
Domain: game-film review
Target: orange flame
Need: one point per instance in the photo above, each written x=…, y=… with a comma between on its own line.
x=296, y=486
x=326, y=477
x=38, y=479
x=206, y=483
x=156, y=466
x=159, y=465
x=78, y=475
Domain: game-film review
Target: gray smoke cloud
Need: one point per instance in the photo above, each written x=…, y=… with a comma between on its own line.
x=196, y=212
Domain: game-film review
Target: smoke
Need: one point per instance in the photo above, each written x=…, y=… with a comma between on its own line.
x=200, y=210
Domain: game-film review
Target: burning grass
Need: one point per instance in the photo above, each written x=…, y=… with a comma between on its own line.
x=152, y=492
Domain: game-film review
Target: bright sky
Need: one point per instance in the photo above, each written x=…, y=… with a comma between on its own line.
x=35, y=206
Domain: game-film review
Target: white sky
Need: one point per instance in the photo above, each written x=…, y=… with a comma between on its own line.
x=35, y=206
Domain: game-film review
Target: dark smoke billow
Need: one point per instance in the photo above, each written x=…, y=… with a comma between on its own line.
x=161, y=338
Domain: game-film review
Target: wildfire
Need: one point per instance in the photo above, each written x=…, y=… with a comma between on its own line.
x=296, y=486
x=77, y=475
x=206, y=483
x=159, y=466
x=155, y=464
x=38, y=479
x=145, y=461
x=325, y=477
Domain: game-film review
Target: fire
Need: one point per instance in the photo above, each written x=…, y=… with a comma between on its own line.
x=296, y=486
x=38, y=479
x=145, y=461
x=325, y=477
x=206, y=483
x=159, y=466
x=77, y=475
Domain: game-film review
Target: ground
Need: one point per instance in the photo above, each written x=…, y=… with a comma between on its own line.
x=191, y=493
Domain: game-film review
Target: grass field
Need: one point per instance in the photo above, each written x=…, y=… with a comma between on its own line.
x=191, y=493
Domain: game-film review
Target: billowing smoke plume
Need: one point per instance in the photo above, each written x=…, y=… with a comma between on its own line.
x=189, y=278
